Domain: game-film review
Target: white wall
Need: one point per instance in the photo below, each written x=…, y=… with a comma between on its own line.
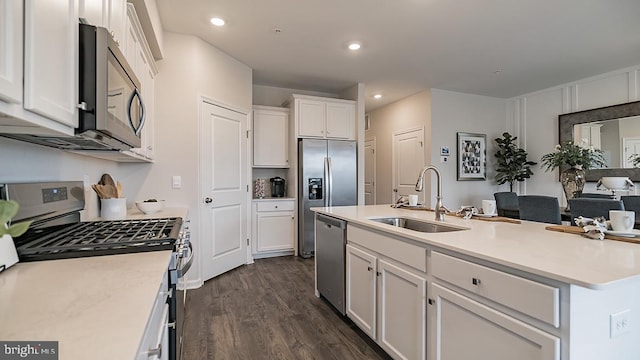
x=534, y=118
x=409, y=113
x=190, y=69
x=453, y=112
x=276, y=96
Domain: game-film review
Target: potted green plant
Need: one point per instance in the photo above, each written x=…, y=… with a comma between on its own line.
x=8, y=209
x=573, y=160
x=512, y=161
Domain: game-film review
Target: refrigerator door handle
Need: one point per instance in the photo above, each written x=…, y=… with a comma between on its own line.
x=330, y=181
x=325, y=188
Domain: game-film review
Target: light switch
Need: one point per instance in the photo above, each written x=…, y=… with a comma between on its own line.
x=176, y=182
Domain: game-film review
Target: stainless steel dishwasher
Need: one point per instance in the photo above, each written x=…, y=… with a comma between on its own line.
x=331, y=235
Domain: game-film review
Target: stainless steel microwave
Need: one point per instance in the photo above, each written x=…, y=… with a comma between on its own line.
x=111, y=104
x=111, y=109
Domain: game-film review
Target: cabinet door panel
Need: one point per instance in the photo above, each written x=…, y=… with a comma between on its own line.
x=340, y=121
x=361, y=289
x=311, y=118
x=403, y=315
x=275, y=231
x=11, y=50
x=270, y=138
x=465, y=329
x=51, y=59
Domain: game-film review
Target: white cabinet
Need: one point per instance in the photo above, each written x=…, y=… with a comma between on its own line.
x=324, y=117
x=51, y=59
x=11, y=51
x=154, y=344
x=111, y=14
x=273, y=227
x=270, y=137
x=387, y=300
x=138, y=55
x=465, y=329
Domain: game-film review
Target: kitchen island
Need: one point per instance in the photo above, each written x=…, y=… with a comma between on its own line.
x=95, y=307
x=539, y=294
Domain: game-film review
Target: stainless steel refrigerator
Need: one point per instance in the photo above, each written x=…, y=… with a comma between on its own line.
x=327, y=176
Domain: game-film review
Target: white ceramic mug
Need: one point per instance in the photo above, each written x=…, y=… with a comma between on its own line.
x=413, y=200
x=489, y=207
x=622, y=220
x=113, y=209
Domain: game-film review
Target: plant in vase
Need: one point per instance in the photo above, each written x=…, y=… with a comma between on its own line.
x=573, y=160
x=512, y=161
x=8, y=209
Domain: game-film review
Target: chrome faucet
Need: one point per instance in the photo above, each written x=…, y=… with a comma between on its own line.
x=440, y=209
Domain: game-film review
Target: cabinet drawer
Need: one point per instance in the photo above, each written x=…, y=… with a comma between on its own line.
x=396, y=249
x=537, y=300
x=275, y=206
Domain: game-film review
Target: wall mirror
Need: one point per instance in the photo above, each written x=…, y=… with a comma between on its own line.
x=613, y=129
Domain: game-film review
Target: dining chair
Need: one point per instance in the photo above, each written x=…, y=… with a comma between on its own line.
x=539, y=208
x=591, y=208
x=507, y=204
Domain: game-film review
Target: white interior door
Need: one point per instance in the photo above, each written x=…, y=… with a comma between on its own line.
x=630, y=146
x=370, y=172
x=408, y=160
x=223, y=159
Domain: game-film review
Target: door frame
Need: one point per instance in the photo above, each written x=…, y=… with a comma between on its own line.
x=372, y=140
x=393, y=160
x=199, y=212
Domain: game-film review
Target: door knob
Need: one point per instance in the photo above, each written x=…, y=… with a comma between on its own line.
x=208, y=200
x=395, y=190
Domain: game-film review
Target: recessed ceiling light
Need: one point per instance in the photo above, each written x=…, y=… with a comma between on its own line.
x=377, y=96
x=354, y=46
x=217, y=21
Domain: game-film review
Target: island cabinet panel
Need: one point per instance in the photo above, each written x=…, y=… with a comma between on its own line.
x=361, y=273
x=537, y=300
x=387, y=300
x=399, y=250
x=402, y=325
x=463, y=329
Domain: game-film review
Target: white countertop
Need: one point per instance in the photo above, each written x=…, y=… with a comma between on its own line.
x=527, y=246
x=95, y=307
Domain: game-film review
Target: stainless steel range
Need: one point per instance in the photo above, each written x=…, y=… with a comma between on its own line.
x=58, y=233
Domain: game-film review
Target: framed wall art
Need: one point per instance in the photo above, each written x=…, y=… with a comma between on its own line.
x=472, y=164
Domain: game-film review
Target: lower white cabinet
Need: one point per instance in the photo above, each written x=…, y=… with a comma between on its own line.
x=154, y=344
x=387, y=301
x=273, y=227
x=462, y=329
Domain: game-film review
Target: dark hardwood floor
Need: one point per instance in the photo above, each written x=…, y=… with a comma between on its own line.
x=268, y=310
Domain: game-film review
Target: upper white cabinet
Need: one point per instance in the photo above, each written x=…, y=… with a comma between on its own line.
x=324, y=117
x=138, y=54
x=270, y=137
x=111, y=14
x=11, y=51
x=51, y=59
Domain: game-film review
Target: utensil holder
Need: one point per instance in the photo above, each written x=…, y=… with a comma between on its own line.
x=113, y=209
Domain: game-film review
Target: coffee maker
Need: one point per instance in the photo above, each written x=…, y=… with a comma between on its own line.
x=277, y=186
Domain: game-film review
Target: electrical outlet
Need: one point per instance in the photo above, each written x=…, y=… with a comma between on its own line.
x=444, y=159
x=620, y=323
x=176, y=182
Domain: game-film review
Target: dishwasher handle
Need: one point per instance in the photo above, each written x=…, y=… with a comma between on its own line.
x=332, y=221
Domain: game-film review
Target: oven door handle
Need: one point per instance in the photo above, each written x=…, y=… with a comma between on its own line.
x=187, y=264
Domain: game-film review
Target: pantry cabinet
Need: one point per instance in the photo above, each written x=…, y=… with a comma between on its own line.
x=319, y=117
x=11, y=51
x=51, y=59
x=385, y=297
x=270, y=137
x=273, y=229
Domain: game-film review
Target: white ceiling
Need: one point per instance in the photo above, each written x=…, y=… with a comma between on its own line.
x=499, y=48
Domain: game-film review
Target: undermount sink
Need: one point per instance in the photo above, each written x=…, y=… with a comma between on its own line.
x=415, y=225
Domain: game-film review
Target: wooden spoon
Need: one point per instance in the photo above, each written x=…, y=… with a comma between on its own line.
x=118, y=189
